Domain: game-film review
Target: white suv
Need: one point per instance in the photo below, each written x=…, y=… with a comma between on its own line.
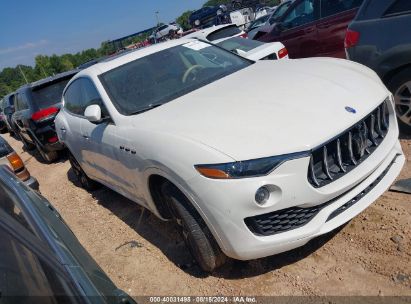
x=244, y=173
x=166, y=30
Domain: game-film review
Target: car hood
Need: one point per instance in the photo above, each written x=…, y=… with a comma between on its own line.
x=271, y=107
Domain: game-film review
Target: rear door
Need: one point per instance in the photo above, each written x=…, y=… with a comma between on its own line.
x=335, y=17
x=21, y=114
x=68, y=123
x=299, y=30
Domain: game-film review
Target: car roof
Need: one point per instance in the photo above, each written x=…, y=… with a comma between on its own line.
x=50, y=79
x=118, y=60
x=207, y=31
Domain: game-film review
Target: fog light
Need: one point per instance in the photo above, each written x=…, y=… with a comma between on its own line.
x=262, y=195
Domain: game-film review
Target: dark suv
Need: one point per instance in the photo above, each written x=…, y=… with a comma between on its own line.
x=36, y=106
x=205, y=16
x=41, y=260
x=8, y=110
x=313, y=27
x=380, y=38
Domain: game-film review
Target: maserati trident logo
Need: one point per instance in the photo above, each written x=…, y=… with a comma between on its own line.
x=350, y=110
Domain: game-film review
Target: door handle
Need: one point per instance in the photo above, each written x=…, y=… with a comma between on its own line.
x=86, y=136
x=324, y=25
x=63, y=129
x=309, y=30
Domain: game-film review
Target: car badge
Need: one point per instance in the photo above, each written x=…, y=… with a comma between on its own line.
x=350, y=110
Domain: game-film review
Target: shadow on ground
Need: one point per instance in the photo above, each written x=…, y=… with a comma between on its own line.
x=63, y=156
x=164, y=236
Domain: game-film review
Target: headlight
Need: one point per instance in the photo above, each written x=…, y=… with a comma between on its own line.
x=248, y=168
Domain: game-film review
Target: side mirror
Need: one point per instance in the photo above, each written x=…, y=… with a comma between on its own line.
x=93, y=113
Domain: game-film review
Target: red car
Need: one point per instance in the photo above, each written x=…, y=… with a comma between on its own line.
x=313, y=27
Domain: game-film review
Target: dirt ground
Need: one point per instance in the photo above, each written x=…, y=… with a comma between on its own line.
x=371, y=255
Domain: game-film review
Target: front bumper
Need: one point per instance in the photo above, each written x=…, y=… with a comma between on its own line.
x=32, y=183
x=225, y=204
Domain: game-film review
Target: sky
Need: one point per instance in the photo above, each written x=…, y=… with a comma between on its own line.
x=32, y=27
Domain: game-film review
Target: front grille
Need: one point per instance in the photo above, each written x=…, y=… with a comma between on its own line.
x=342, y=154
x=292, y=218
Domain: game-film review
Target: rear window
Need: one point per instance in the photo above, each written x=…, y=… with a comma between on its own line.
x=49, y=95
x=225, y=32
x=399, y=7
x=238, y=43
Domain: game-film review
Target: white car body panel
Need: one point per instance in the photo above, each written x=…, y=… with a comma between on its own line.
x=263, y=51
x=254, y=54
x=202, y=34
x=223, y=122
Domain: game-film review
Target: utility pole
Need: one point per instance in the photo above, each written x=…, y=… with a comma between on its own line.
x=22, y=73
x=158, y=19
x=158, y=25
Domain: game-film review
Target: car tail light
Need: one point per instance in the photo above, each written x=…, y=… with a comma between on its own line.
x=15, y=161
x=245, y=35
x=351, y=38
x=53, y=139
x=17, y=166
x=282, y=53
x=44, y=114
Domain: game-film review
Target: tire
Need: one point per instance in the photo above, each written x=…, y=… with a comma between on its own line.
x=86, y=182
x=193, y=229
x=237, y=5
x=48, y=157
x=3, y=131
x=400, y=86
x=28, y=146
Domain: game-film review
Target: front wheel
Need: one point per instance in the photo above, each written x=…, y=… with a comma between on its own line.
x=26, y=145
x=400, y=86
x=197, y=237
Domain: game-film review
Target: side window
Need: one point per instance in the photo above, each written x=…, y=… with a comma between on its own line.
x=73, y=98
x=332, y=7
x=301, y=14
x=399, y=7
x=20, y=103
x=91, y=96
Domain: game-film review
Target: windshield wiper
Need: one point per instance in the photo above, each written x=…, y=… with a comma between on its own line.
x=149, y=107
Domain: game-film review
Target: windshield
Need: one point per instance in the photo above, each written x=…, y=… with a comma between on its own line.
x=49, y=95
x=237, y=43
x=280, y=11
x=163, y=76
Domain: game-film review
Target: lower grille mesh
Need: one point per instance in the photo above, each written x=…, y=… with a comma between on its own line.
x=295, y=217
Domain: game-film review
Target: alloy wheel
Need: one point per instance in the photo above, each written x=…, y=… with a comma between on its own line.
x=402, y=99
